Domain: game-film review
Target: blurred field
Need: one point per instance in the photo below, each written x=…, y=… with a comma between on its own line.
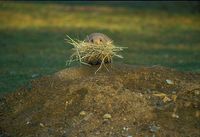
x=32, y=35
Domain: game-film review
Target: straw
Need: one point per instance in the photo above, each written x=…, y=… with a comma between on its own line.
x=85, y=52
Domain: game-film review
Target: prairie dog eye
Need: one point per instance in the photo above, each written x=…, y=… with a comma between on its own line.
x=101, y=40
x=92, y=40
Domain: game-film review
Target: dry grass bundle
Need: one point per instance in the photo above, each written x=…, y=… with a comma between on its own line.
x=86, y=52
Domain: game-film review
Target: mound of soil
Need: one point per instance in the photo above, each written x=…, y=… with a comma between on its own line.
x=127, y=101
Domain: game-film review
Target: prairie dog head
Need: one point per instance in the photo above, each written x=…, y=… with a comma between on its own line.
x=98, y=38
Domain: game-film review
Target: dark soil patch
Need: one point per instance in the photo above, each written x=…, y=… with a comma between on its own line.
x=73, y=102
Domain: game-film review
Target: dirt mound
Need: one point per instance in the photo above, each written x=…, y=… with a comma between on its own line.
x=126, y=101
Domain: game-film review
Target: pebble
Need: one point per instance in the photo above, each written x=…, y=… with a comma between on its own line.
x=28, y=122
x=125, y=128
x=82, y=113
x=107, y=116
x=42, y=125
x=154, y=128
x=140, y=94
x=175, y=115
x=173, y=92
x=170, y=82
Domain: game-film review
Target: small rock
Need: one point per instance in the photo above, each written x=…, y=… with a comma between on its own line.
x=125, y=128
x=175, y=115
x=170, y=82
x=154, y=128
x=28, y=122
x=173, y=92
x=107, y=116
x=82, y=113
x=140, y=94
x=42, y=125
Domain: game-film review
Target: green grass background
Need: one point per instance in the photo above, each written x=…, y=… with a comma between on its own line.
x=156, y=33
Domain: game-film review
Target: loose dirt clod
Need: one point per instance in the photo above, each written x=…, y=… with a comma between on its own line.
x=53, y=104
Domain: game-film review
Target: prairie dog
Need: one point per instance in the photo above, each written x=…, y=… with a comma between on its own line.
x=98, y=38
